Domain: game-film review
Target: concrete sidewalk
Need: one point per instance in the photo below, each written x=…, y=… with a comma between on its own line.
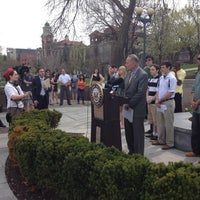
x=5, y=192
x=77, y=119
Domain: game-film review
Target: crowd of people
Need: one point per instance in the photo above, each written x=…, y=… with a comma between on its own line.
x=40, y=91
x=159, y=90
x=154, y=92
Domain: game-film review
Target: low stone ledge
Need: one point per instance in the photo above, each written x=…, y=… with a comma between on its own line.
x=182, y=139
x=182, y=131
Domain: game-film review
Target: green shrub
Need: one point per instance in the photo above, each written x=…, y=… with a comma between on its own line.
x=32, y=121
x=26, y=152
x=51, y=152
x=46, y=117
x=76, y=169
x=120, y=178
x=79, y=168
x=175, y=181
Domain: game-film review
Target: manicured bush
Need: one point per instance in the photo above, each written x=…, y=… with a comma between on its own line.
x=180, y=181
x=46, y=117
x=80, y=171
x=120, y=178
x=32, y=121
x=76, y=169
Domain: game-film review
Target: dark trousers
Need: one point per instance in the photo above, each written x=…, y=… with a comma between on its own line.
x=134, y=133
x=43, y=102
x=195, y=139
x=178, y=102
x=64, y=89
x=80, y=95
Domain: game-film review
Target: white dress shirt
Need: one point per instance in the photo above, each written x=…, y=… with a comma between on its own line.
x=166, y=84
x=64, y=78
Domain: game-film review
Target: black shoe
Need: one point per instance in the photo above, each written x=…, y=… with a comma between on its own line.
x=149, y=131
x=154, y=138
x=61, y=104
x=69, y=104
x=149, y=135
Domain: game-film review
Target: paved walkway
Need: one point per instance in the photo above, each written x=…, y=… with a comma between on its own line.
x=76, y=119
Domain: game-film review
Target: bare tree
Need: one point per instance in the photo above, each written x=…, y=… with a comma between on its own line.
x=70, y=14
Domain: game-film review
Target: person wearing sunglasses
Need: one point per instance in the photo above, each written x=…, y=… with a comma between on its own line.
x=195, y=105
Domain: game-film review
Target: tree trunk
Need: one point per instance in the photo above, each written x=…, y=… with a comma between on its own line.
x=121, y=50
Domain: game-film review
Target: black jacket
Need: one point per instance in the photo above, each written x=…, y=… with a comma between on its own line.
x=36, y=88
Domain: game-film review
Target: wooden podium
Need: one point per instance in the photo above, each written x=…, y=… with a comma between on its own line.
x=105, y=127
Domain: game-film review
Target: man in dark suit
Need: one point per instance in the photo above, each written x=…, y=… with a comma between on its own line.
x=111, y=76
x=40, y=91
x=135, y=89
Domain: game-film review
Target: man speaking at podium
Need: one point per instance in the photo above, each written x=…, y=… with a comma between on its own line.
x=136, y=83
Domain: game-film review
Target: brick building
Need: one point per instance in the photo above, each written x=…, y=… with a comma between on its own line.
x=27, y=57
x=55, y=54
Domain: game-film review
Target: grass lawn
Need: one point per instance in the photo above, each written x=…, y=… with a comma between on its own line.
x=189, y=66
x=190, y=73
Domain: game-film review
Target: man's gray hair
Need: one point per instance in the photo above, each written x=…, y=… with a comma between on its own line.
x=134, y=58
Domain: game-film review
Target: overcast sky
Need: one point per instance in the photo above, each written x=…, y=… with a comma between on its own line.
x=22, y=22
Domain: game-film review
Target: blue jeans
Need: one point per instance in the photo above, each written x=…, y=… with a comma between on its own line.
x=80, y=95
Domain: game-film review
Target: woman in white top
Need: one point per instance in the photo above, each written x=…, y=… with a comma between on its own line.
x=14, y=93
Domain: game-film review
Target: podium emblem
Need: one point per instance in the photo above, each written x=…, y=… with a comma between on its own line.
x=97, y=95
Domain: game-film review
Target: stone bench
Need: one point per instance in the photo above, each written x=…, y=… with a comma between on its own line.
x=182, y=131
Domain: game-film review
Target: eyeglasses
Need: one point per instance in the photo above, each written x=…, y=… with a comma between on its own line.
x=198, y=58
x=148, y=60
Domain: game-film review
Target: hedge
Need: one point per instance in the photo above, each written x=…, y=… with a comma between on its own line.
x=76, y=169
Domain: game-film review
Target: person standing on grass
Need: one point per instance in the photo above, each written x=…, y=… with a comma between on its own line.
x=195, y=104
x=81, y=89
x=180, y=74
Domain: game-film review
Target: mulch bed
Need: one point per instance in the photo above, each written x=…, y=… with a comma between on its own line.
x=23, y=190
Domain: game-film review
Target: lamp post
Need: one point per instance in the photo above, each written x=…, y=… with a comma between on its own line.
x=145, y=20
